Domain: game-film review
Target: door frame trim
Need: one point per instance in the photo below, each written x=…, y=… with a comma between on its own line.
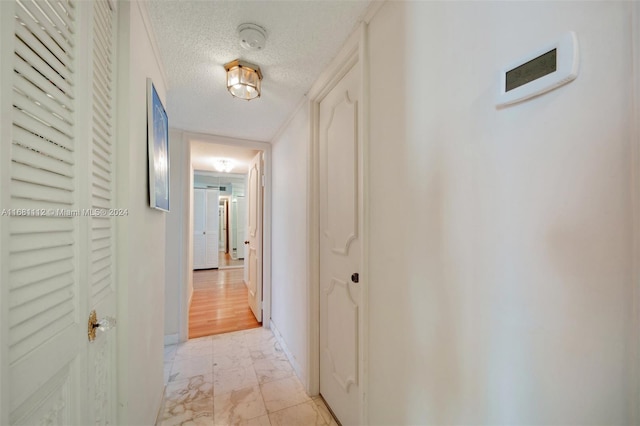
x=187, y=273
x=634, y=390
x=353, y=53
x=6, y=87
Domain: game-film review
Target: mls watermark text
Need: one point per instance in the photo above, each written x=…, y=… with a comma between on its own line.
x=65, y=212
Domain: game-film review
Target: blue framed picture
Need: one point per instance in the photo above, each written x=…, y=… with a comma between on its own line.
x=158, y=150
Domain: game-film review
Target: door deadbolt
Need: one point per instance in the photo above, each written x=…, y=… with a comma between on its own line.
x=355, y=277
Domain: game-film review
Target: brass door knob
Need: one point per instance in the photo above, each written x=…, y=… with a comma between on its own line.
x=107, y=323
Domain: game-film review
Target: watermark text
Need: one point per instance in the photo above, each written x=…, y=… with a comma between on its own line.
x=65, y=212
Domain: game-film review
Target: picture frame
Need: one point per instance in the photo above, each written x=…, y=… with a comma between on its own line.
x=157, y=149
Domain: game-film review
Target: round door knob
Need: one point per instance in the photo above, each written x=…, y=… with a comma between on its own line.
x=246, y=242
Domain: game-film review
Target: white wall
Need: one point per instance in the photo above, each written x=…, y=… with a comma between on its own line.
x=141, y=235
x=504, y=293
x=289, y=285
x=175, y=260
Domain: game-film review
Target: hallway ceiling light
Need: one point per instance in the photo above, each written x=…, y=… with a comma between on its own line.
x=243, y=79
x=223, y=164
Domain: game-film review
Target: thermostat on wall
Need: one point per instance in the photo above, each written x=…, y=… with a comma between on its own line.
x=541, y=71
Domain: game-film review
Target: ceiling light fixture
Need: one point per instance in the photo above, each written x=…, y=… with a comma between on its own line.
x=223, y=164
x=243, y=79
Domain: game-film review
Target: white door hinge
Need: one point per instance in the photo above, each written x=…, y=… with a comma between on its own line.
x=262, y=180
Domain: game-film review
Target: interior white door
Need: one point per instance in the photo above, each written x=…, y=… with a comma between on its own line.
x=212, y=228
x=199, y=229
x=340, y=328
x=241, y=220
x=56, y=153
x=254, y=236
x=205, y=228
x=222, y=243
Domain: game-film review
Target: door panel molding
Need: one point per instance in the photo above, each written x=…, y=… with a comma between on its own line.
x=346, y=371
x=252, y=182
x=342, y=123
x=49, y=405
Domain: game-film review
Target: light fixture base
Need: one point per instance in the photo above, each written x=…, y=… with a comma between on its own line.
x=252, y=36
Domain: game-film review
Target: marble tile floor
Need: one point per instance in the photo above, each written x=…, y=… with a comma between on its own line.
x=239, y=378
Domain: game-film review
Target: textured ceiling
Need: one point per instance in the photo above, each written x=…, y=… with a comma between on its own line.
x=196, y=38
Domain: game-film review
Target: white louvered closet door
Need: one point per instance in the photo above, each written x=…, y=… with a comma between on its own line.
x=56, y=163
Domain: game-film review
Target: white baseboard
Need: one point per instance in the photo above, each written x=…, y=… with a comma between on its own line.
x=171, y=339
x=296, y=367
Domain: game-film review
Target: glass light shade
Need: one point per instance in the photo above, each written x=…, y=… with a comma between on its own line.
x=243, y=79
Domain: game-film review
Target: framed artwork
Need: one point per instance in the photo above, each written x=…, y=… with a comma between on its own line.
x=158, y=150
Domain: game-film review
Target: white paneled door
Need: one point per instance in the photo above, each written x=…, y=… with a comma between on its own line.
x=241, y=220
x=57, y=90
x=340, y=326
x=205, y=228
x=253, y=259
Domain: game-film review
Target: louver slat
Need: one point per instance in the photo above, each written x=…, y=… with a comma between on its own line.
x=29, y=107
x=22, y=153
x=40, y=328
x=29, y=259
x=23, y=295
x=40, y=129
x=102, y=176
x=41, y=177
x=39, y=274
x=25, y=69
x=23, y=313
x=49, y=42
x=64, y=41
x=23, y=85
x=24, y=242
x=33, y=191
x=27, y=50
x=62, y=20
x=42, y=47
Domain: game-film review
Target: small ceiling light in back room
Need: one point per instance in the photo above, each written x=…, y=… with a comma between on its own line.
x=243, y=79
x=223, y=164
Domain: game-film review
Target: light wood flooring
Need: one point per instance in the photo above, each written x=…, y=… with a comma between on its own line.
x=225, y=260
x=219, y=303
